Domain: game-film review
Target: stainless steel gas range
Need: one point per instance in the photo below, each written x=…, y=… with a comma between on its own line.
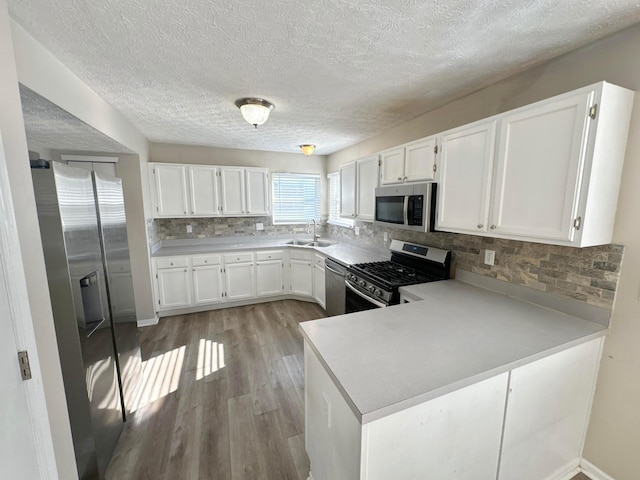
x=377, y=284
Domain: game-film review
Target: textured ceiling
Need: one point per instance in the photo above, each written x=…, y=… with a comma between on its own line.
x=338, y=71
x=49, y=126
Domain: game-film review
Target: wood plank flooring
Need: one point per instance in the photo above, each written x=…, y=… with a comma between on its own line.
x=223, y=397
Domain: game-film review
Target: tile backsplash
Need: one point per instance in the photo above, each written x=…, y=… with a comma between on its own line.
x=588, y=275
x=176, y=228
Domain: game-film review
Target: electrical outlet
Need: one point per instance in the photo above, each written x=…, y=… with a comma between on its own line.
x=326, y=409
x=189, y=229
x=385, y=236
x=259, y=226
x=357, y=230
x=489, y=257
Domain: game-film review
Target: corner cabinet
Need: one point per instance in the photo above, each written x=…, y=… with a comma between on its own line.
x=553, y=178
x=358, y=182
x=209, y=191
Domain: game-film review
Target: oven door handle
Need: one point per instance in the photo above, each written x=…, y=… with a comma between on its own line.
x=366, y=297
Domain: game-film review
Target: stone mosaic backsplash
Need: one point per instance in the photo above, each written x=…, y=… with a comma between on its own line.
x=176, y=228
x=588, y=275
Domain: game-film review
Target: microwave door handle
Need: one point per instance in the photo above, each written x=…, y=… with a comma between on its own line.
x=405, y=211
x=366, y=297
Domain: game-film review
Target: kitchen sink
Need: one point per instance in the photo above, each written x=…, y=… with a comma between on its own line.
x=300, y=242
x=305, y=242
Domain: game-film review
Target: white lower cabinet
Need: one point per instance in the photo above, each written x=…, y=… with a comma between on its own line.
x=319, y=290
x=239, y=275
x=207, y=279
x=301, y=273
x=528, y=423
x=269, y=273
x=174, y=282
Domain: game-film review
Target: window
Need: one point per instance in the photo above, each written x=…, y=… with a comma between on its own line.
x=296, y=198
x=334, y=202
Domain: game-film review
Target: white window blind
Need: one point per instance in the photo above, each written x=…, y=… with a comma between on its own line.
x=334, y=202
x=296, y=198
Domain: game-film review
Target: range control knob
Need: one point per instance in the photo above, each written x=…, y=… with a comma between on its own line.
x=362, y=283
x=372, y=289
x=351, y=276
x=378, y=293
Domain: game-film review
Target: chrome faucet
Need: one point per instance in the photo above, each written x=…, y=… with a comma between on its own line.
x=315, y=236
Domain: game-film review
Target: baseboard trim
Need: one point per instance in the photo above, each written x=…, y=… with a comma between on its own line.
x=148, y=322
x=593, y=472
x=566, y=472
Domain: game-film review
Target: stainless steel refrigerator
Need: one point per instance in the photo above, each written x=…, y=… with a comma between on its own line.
x=84, y=237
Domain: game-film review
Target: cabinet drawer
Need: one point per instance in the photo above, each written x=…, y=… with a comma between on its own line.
x=301, y=254
x=270, y=255
x=205, y=260
x=319, y=260
x=238, y=258
x=172, y=262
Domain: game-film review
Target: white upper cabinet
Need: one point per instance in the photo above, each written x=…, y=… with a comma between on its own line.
x=412, y=162
x=556, y=171
x=257, y=185
x=465, y=178
x=348, y=190
x=172, y=191
x=358, y=182
x=208, y=191
x=367, y=173
x=203, y=182
x=232, y=185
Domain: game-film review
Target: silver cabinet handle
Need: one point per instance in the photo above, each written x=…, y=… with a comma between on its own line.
x=185, y=270
x=480, y=225
x=171, y=263
x=399, y=178
x=404, y=179
x=492, y=227
x=206, y=261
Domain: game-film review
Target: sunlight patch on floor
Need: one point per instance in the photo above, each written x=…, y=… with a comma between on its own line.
x=210, y=358
x=160, y=377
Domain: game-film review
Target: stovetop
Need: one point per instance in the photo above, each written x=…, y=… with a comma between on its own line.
x=391, y=274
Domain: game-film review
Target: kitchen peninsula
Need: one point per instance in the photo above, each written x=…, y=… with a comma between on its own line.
x=466, y=384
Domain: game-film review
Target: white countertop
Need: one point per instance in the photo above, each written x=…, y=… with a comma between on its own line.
x=340, y=252
x=389, y=359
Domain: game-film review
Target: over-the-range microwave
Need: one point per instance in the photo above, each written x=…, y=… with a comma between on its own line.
x=409, y=206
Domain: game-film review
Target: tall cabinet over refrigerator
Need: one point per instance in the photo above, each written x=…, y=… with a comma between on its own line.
x=84, y=238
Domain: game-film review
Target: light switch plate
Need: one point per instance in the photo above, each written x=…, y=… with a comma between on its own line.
x=189, y=229
x=357, y=230
x=489, y=257
x=385, y=236
x=259, y=226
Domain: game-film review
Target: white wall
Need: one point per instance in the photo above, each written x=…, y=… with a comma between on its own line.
x=613, y=438
x=40, y=71
x=274, y=161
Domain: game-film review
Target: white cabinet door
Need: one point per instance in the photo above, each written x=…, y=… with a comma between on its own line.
x=419, y=160
x=207, y=284
x=392, y=167
x=319, y=286
x=539, y=168
x=174, y=288
x=348, y=190
x=301, y=277
x=171, y=190
x=465, y=178
x=269, y=278
x=257, y=184
x=367, y=173
x=203, y=183
x=232, y=190
x=240, y=280
x=547, y=413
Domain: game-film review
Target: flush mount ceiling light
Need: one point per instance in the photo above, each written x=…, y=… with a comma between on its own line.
x=255, y=110
x=308, y=149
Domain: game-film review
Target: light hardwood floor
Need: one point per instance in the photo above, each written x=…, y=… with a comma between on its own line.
x=223, y=398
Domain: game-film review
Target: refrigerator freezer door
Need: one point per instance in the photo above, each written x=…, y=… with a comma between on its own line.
x=112, y=224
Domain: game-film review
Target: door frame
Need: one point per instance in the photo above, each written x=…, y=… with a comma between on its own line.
x=12, y=270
